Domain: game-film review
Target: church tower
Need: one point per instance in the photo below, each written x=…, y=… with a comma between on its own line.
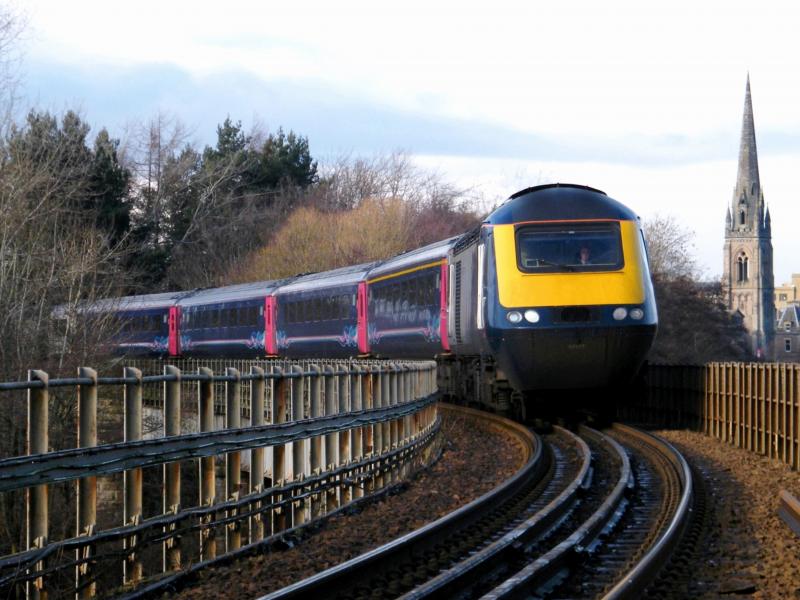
x=747, y=280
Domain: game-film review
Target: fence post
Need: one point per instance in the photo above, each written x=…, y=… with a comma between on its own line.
x=395, y=425
x=298, y=446
x=315, y=393
x=38, y=442
x=132, y=567
x=331, y=439
x=345, y=449
x=172, y=471
x=356, y=404
x=279, y=451
x=208, y=493
x=233, y=460
x=386, y=426
x=87, y=486
x=368, y=399
x=257, y=454
x=377, y=402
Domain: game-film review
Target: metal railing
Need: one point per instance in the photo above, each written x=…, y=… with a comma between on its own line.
x=755, y=406
x=316, y=436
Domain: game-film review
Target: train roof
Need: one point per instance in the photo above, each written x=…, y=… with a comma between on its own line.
x=557, y=202
x=328, y=279
x=232, y=293
x=420, y=256
x=140, y=302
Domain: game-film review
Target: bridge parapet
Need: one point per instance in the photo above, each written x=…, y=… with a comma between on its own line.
x=755, y=406
x=312, y=435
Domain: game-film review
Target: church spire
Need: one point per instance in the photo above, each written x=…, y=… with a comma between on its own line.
x=748, y=185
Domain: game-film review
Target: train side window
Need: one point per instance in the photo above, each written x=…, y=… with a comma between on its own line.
x=330, y=313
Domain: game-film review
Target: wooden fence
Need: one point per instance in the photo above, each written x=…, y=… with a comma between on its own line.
x=750, y=405
x=313, y=438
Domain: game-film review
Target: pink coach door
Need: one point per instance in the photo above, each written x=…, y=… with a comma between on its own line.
x=174, y=339
x=270, y=344
x=361, y=305
x=443, y=295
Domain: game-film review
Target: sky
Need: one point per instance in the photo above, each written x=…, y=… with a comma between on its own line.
x=643, y=100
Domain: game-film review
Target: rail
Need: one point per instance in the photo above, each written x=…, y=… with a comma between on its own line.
x=392, y=554
x=789, y=511
x=316, y=437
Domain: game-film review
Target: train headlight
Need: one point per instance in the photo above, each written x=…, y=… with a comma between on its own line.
x=514, y=317
x=619, y=313
x=531, y=316
x=637, y=314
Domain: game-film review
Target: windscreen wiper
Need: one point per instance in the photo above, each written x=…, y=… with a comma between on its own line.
x=542, y=262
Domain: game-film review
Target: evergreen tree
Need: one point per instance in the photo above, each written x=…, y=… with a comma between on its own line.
x=109, y=184
x=285, y=160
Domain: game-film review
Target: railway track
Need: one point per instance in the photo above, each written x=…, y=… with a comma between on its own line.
x=593, y=515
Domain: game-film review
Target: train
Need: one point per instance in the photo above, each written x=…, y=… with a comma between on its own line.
x=552, y=291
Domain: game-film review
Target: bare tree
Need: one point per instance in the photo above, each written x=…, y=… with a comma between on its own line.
x=51, y=256
x=694, y=325
x=670, y=248
x=12, y=26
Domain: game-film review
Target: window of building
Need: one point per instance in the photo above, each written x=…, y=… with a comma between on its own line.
x=787, y=326
x=741, y=218
x=787, y=344
x=782, y=297
x=742, y=267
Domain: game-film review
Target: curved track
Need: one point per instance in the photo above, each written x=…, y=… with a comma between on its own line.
x=399, y=566
x=619, y=550
x=589, y=516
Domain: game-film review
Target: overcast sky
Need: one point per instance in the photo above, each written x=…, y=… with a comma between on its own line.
x=642, y=100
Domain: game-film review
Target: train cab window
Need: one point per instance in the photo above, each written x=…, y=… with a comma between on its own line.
x=570, y=247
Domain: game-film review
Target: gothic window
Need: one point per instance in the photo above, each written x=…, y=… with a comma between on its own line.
x=742, y=267
x=741, y=218
x=787, y=344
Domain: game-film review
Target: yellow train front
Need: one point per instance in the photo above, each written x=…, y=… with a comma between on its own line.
x=554, y=291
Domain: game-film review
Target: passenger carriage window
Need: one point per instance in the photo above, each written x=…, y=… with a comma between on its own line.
x=330, y=312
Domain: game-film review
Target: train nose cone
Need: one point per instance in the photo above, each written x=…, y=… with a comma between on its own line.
x=574, y=358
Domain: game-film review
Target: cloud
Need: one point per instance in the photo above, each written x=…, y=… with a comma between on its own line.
x=337, y=122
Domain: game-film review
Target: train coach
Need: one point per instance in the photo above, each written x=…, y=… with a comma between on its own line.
x=551, y=291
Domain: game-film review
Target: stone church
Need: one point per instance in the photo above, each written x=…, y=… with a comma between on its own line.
x=747, y=279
